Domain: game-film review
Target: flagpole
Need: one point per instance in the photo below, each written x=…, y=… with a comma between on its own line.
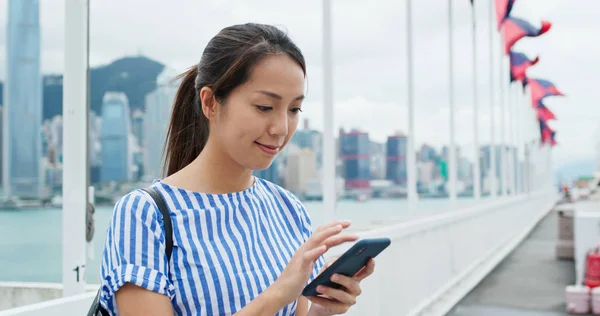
x=75, y=145
x=329, y=155
x=519, y=140
x=493, y=170
x=452, y=154
x=512, y=151
x=503, y=160
x=476, y=166
x=516, y=118
x=411, y=168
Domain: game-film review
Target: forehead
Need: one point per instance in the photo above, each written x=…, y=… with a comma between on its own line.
x=279, y=73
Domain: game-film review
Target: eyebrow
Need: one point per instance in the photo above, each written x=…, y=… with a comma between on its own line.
x=277, y=96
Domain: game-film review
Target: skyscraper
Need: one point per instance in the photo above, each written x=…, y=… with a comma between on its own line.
x=23, y=108
x=396, y=159
x=355, y=151
x=117, y=155
x=156, y=122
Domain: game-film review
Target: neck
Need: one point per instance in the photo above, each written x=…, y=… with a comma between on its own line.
x=213, y=172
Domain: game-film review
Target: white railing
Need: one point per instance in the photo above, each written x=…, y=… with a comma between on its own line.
x=17, y=294
x=435, y=261
x=431, y=264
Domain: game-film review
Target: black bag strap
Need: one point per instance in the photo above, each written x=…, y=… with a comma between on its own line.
x=166, y=215
x=97, y=309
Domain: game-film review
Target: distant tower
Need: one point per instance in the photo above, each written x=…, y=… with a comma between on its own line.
x=396, y=159
x=22, y=136
x=355, y=151
x=117, y=155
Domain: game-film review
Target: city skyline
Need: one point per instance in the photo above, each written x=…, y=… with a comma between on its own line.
x=369, y=69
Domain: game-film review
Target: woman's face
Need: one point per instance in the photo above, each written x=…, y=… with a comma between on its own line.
x=261, y=116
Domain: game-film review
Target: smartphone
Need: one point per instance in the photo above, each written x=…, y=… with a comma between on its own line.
x=348, y=264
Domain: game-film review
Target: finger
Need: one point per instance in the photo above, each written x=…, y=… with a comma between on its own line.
x=366, y=271
x=334, y=306
x=314, y=254
x=337, y=295
x=344, y=223
x=317, y=238
x=352, y=286
x=339, y=239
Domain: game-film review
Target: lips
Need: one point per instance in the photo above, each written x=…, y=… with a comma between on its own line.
x=269, y=149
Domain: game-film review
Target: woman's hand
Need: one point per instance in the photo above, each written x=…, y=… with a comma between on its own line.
x=338, y=301
x=294, y=277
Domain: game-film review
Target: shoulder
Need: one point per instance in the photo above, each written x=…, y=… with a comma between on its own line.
x=288, y=200
x=135, y=208
x=284, y=196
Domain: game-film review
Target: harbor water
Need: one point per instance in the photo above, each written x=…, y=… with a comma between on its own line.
x=31, y=238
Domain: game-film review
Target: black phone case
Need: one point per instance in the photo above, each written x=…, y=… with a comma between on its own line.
x=348, y=264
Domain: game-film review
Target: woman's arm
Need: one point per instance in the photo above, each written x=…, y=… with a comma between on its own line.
x=133, y=300
x=268, y=302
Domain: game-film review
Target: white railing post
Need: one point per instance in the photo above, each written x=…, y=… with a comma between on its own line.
x=493, y=170
x=476, y=163
x=75, y=145
x=452, y=172
x=411, y=163
x=329, y=153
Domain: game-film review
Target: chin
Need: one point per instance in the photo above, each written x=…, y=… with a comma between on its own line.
x=261, y=165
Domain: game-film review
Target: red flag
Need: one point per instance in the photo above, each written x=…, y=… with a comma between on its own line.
x=503, y=8
x=519, y=63
x=514, y=29
x=541, y=89
x=543, y=113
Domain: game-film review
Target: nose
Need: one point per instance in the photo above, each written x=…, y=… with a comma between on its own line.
x=279, y=124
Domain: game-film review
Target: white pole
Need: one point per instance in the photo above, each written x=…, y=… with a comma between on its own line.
x=517, y=142
x=503, y=160
x=411, y=167
x=527, y=168
x=511, y=141
x=493, y=169
x=6, y=185
x=329, y=155
x=549, y=181
x=75, y=145
x=452, y=154
x=476, y=166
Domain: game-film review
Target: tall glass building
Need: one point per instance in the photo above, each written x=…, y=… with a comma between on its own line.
x=396, y=159
x=117, y=154
x=355, y=151
x=156, y=122
x=22, y=135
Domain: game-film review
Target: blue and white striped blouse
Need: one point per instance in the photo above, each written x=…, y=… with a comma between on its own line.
x=227, y=248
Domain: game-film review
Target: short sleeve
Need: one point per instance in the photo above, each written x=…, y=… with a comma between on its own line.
x=307, y=231
x=134, y=251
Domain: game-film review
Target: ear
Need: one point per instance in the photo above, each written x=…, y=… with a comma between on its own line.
x=210, y=106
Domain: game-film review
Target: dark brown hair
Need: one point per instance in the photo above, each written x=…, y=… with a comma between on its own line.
x=226, y=63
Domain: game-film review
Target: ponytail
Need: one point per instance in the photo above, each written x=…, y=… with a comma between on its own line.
x=188, y=129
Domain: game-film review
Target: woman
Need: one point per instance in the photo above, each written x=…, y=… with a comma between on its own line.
x=241, y=245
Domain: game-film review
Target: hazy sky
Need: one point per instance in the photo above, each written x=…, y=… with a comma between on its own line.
x=370, y=58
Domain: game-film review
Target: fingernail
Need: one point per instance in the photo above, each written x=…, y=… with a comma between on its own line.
x=334, y=277
x=320, y=289
x=346, y=221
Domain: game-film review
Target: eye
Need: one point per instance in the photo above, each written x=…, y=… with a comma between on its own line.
x=296, y=110
x=264, y=108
